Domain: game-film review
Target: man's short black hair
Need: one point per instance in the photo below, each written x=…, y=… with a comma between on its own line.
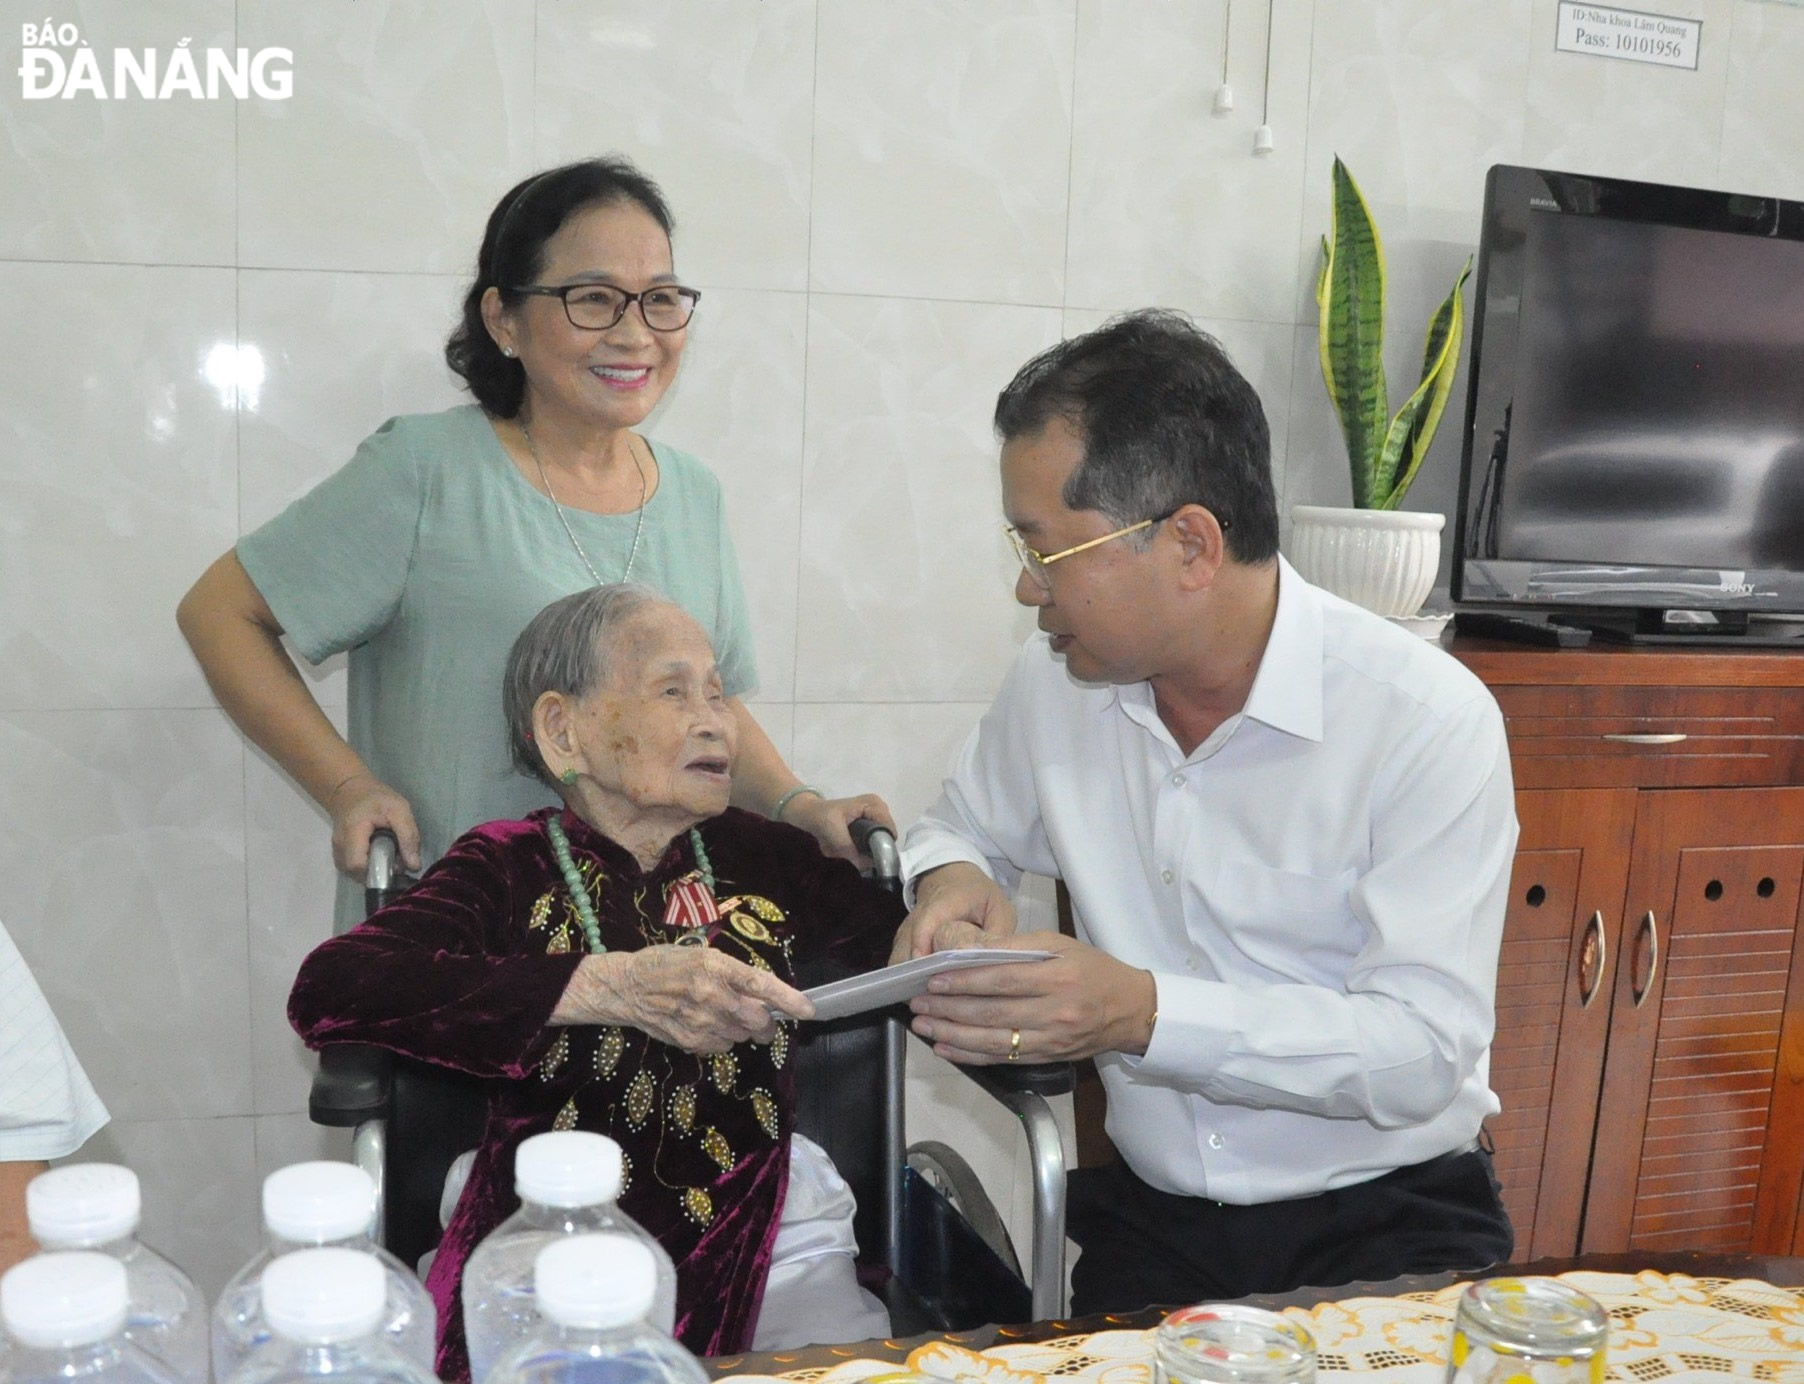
x=1166, y=421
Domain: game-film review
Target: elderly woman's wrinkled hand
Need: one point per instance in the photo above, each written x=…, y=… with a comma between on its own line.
x=694, y=998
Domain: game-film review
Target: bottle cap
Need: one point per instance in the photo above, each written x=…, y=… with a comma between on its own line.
x=595, y=1281
x=69, y=1298
x=81, y=1205
x=322, y=1296
x=317, y=1202
x=568, y=1167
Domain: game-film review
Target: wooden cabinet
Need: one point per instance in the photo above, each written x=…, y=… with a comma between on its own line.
x=1650, y=1042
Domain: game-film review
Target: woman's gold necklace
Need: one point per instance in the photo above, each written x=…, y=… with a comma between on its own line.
x=570, y=533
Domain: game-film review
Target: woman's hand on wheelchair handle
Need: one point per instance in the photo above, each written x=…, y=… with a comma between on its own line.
x=359, y=806
x=829, y=820
x=956, y=905
x=694, y=998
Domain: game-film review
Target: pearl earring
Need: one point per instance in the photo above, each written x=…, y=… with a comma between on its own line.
x=508, y=351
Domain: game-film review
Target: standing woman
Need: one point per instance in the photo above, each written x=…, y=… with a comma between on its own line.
x=431, y=549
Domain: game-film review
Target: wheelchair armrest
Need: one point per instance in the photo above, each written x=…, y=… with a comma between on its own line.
x=354, y=1083
x=1034, y=1078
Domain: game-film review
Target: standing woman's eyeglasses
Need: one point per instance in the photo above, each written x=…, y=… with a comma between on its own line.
x=596, y=307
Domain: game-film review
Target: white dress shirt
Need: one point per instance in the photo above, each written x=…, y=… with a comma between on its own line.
x=1318, y=890
x=47, y=1107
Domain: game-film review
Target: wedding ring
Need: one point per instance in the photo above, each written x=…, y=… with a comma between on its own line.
x=1014, y=1045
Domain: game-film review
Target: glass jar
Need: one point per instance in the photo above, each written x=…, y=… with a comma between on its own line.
x=1230, y=1344
x=1527, y=1331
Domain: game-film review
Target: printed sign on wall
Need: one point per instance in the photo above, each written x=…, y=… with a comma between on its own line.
x=1607, y=32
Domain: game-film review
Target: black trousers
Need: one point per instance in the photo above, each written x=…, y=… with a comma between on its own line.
x=1142, y=1247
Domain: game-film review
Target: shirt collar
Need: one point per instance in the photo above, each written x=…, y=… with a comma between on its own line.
x=1287, y=690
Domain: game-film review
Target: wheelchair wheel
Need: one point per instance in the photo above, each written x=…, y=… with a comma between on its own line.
x=946, y=1170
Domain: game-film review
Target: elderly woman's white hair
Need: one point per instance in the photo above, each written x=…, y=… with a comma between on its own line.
x=567, y=647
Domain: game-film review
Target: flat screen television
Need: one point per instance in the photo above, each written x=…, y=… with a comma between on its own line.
x=1634, y=445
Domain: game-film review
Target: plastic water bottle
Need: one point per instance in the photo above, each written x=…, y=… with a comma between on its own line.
x=593, y=1293
x=308, y=1205
x=567, y=1182
x=66, y=1315
x=96, y=1206
x=326, y=1309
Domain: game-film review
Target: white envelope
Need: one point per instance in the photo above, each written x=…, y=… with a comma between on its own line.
x=905, y=979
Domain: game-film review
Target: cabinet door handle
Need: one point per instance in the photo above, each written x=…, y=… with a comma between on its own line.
x=1593, y=952
x=1650, y=929
x=1669, y=737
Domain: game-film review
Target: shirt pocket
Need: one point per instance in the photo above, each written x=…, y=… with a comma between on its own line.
x=1287, y=925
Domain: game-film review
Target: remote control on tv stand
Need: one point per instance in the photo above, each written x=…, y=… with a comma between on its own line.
x=1491, y=624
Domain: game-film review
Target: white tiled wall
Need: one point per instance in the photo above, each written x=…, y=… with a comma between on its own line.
x=889, y=204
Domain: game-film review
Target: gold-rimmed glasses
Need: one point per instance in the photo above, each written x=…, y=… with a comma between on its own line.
x=597, y=307
x=1035, y=563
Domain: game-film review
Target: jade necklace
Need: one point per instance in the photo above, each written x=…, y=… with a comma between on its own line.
x=579, y=891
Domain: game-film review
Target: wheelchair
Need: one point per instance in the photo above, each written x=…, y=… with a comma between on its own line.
x=929, y=1238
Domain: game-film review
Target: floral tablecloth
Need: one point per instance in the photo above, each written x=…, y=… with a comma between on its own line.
x=1664, y=1329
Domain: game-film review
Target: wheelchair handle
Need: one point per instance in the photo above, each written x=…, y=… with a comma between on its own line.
x=382, y=877
x=878, y=842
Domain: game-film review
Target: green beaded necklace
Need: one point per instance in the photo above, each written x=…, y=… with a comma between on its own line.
x=579, y=891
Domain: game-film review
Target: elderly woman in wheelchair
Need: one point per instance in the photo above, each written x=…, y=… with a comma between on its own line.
x=622, y=965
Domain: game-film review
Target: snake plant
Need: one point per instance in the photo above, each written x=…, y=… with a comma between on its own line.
x=1384, y=452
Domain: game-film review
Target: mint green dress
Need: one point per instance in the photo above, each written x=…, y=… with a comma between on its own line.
x=425, y=556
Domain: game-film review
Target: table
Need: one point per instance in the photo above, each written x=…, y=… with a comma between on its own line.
x=1704, y=1316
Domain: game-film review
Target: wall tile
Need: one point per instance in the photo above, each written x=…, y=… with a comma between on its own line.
x=906, y=579
x=713, y=101
x=900, y=750
x=201, y=1192
x=340, y=354
x=1763, y=103
x=286, y=1139
x=1260, y=350
x=1169, y=205
x=118, y=478
x=290, y=883
x=778, y=720
x=122, y=879
x=1419, y=99
x=941, y=148
x=1628, y=119
x=138, y=180
x=428, y=110
x=738, y=406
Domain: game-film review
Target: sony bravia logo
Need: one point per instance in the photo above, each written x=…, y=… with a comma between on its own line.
x=1543, y=204
x=55, y=60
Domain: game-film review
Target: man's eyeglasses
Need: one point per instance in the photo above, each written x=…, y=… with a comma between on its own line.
x=596, y=307
x=1035, y=563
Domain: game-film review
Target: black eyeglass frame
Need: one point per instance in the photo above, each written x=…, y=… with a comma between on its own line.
x=693, y=295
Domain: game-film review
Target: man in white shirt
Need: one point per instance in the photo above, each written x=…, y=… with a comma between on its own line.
x=47, y=1107
x=1286, y=826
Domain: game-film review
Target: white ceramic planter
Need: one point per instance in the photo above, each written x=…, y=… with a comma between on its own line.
x=1382, y=559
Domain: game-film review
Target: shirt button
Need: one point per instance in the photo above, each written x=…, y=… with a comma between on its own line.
x=1165, y=875
x=1190, y=962
x=1217, y=1142
x=1177, y=780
